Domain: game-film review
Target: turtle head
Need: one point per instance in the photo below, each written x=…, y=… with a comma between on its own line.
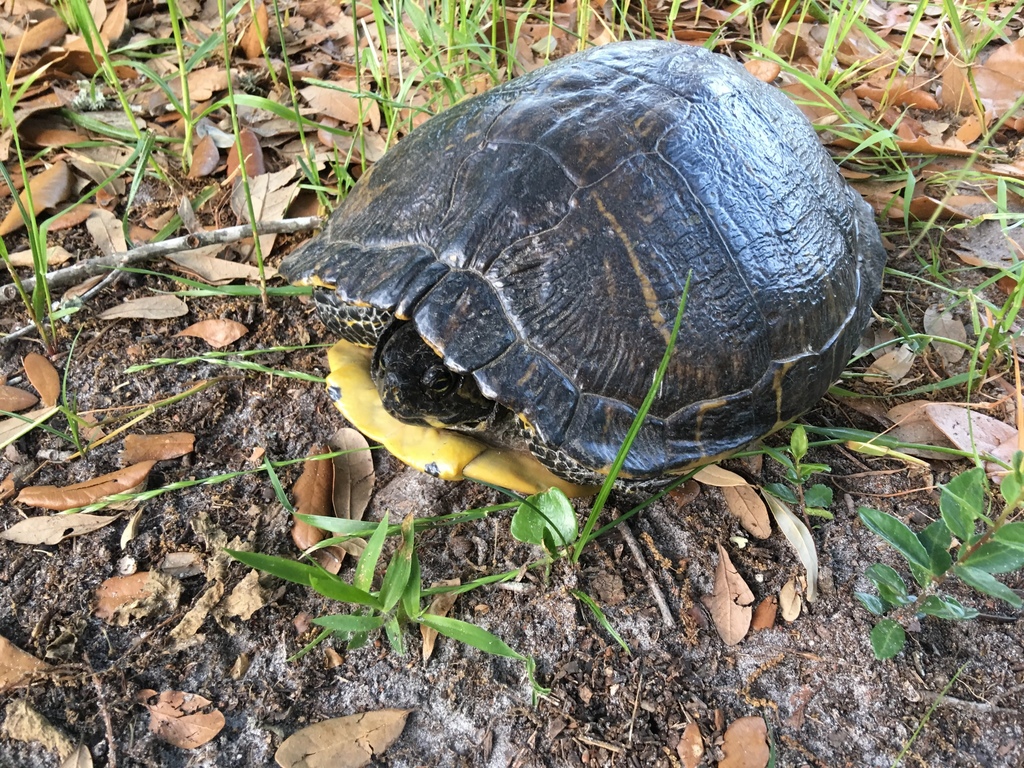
x=416, y=386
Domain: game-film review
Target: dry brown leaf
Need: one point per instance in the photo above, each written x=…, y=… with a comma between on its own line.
x=764, y=614
x=943, y=325
x=745, y=744
x=205, y=158
x=216, y=271
x=344, y=742
x=252, y=153
x=53, y=529
x=691, y=746
x=730, y=602
x=118, y=591
x=217, y=333
x=37, y=37
x=353, y=474
x=254, y=40
x=138, y=448
x=14, y=399
x=16, y=665
x=204, y=83
x=23, y=723
x=14, y=427
x=439, y=606
x=55, y=256
x=107, y=232
x=82, y=494
x=744, y=503
x=342, y=105
x=762, y=69
x=895, y=364
x=7, y=488
x=160, y=307
x=176, y=717
x=43, y=377
x=948, y=425
x=247, y=597
x=113, y=25
x=80, y=758
x=790, y=601
x=717, y=477
x=48, y=188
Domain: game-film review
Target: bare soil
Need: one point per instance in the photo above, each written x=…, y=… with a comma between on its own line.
x=826, y=700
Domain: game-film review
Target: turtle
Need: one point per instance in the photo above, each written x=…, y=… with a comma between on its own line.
x=504, y=280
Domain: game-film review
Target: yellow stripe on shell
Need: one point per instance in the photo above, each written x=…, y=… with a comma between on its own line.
x=449, y=455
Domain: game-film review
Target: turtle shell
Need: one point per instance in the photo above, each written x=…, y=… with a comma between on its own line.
x=540, y=236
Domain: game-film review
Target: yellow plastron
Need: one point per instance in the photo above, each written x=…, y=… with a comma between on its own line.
x=439, y=452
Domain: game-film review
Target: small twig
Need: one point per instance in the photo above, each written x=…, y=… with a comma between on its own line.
x=951, y=701
x=652, y=584
x=68, y=276
x=636, y=705
x=601, y=744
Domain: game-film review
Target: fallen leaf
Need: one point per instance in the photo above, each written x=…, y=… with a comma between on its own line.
x=764, y=70
x=691, y=746
x=14, y=399
x=800, y=539
x=53, y=529
x=216, y=271
x=745, y=744
x=205, y=158
x=113, y=25
x=717, y=477
x=312, y=492
x=82, y=494
x=48, y=188
x=254, y=39
x=895, y=364
x=80, y=758
x=23, y=723
x=117, y=592
x=344, y=742
x=353, y=474
x=252, y=153
x=177, y=719
x=37, y=37
x=948, y=425
x=764, y=614
x=217, y=333
x=247, y=597
x=730, y=601
x=107, y=232
x=16, y=665
x=743, y=502
x=14, y=427
x=943, y=325
x=150, y=308
x=138, y=448
x=55, y=256
x=43, y=377
x=439, y=606
x=790, y=601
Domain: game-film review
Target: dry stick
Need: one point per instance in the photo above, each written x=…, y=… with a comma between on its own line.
x=68, y=276
x=638, y=555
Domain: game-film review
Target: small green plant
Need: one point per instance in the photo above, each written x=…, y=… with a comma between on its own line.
x=968, y=542
x=814, y=499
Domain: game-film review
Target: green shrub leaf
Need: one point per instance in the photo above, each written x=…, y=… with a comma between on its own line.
x=470, y=634
x=987, y=584
x=818, y=496
x=890, y=585
x=945, y=608
x=900, y=537
x=937, y=541
x=887, y=639
x=782, y=491
x=549, y=512
x=873, y=603
x=962, y=501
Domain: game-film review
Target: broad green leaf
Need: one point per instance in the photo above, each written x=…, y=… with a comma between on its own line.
x=945, y=608
x=397, y=575
x=937, y=541
x=1011, y=534
x=890, y=585
x=367, y=565
x=887, y=639
x=899, y=536
x=289, y=570
x=394, y=634
x=782, y=491
x=873, y=603
x=411, y=596
x=340, y=623
x=548, y=511
x=1012, y=482
x=818, y=496
x=817, y=512
x=470, y=634
x=996, y=557
x=987, y=584
x=334, y=588
x=962, y=501
x=588, y=601
x=798, y=442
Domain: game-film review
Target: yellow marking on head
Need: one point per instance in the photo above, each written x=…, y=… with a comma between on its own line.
x=440, y=452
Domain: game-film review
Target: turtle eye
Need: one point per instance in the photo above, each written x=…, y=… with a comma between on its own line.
x=438, y=380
